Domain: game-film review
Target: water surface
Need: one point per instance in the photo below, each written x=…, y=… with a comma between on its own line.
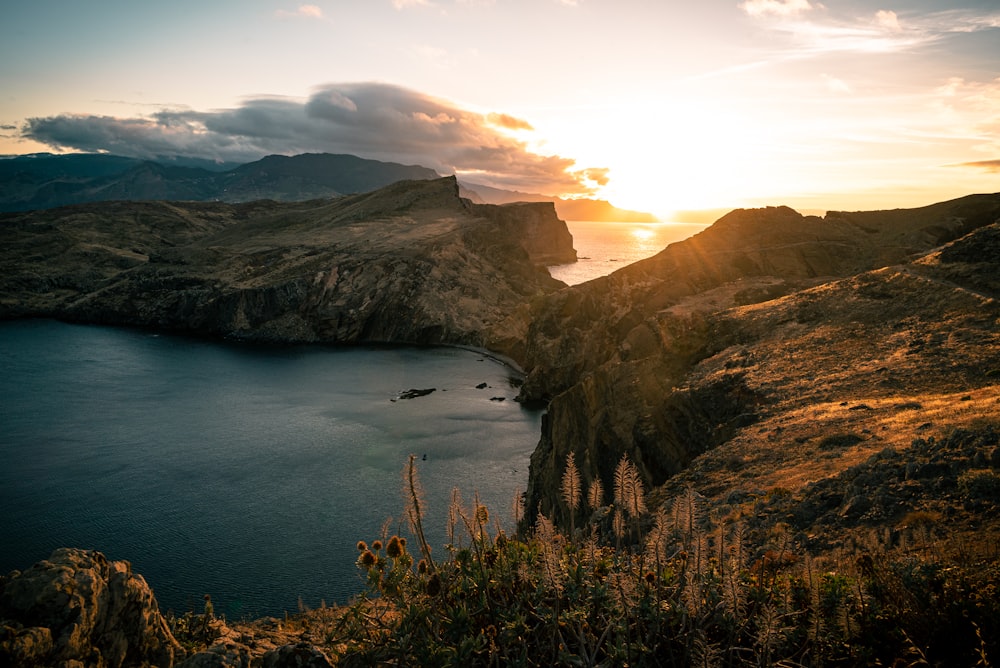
x=606, y=247
x=247, y=472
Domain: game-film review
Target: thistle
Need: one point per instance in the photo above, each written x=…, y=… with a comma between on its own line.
x=394, y=549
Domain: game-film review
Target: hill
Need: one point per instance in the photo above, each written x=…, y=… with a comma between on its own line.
x=411, y=262
x=45, y=181
x=778, y=353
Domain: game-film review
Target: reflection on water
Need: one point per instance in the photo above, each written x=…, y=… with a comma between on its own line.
x=606, y=247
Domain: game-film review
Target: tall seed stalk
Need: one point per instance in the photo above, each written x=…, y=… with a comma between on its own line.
x=572, y=490
x=414, y=494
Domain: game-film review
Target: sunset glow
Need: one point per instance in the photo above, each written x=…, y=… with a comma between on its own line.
x=818, y=106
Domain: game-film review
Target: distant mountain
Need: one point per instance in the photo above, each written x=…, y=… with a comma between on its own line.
x=43, y=181
x=313, y=175
x=568, y=209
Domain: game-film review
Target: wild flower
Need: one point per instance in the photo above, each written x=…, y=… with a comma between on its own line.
x=394, y=549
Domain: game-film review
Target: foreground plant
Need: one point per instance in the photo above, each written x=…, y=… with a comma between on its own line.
x=688, y=593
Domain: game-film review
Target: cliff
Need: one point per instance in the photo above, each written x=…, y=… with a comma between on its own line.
x=728, y=339
x=78, y=608
x=568, y=209
x=412, y=262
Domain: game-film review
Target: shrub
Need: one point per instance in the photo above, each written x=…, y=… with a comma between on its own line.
x=689, y=592
x=979, y=485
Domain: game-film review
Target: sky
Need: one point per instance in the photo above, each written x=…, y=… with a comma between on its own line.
x=656, y=105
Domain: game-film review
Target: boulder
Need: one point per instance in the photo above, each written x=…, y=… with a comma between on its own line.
x=78, y=608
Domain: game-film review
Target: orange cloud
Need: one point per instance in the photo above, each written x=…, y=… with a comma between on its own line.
x=984, y=165
x=508, y=122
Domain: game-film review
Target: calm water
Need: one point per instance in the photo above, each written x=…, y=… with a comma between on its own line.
x=242, y=471
x=251, y=472
x=607, y=247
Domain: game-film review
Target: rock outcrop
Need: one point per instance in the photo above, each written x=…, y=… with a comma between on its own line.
x=674, y=356
x=410, y=263
x=78, y=609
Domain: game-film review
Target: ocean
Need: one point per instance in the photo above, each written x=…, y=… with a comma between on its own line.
x=250, y=472
x=603, y=248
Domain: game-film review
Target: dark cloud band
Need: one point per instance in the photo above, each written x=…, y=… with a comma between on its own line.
x=372, y=120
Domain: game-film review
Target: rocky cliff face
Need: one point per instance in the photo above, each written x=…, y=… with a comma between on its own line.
x=78, y=608
x=660, y=361
x=409, y=263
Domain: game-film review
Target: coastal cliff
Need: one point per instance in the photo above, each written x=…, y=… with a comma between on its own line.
x=812, y=380
x=410, y=263
x=735, y=332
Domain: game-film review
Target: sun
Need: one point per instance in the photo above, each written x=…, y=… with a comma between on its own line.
x=667, y=155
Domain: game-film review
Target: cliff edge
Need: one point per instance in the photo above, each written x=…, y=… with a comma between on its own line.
x=410, y=263
x=756, y=337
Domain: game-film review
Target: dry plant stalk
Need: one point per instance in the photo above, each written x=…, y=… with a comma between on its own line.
x=572, y=490
x=413, y=492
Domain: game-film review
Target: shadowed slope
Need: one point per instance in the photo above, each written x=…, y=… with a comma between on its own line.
x=660, y=361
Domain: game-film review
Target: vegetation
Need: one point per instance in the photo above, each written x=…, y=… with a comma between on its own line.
x=663, y=587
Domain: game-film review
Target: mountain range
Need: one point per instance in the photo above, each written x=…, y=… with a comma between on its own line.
x=45, y=181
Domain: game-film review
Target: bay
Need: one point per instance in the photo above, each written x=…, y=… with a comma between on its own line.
x=247, y=472
x=250, y=472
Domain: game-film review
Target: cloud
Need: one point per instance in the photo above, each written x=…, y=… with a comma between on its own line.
x=304, y=11
x=775, y=7
x=885, y=33
x=888, y=20
x=985, y=165
x=404, y=4
x=971, y=109
x=835, y=85
x=371, y=120
x=508, y=122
